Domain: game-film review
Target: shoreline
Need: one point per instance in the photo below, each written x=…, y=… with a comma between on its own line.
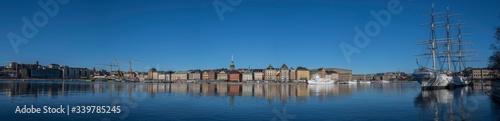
x=42, y=79
x=198, y=81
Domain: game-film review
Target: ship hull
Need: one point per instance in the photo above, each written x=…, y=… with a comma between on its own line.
x=430, y=80
x=461, y=81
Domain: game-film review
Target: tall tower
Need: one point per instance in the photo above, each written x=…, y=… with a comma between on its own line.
x=231, y=67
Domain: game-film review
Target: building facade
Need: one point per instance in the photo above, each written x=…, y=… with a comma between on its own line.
x=303, y=73
x=270, y=73
x=247, y=76
x=344, y=74
x=179, y=75
x=222, y=75
x=258, y=74
x=204, y=75
x=293, y=74
x=235, y=76
x=359, y=77
x=483, y=73
x=194, y=75
x=151, y=75
x=284, y=74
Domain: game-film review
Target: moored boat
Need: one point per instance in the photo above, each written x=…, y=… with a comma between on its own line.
x=318, y=80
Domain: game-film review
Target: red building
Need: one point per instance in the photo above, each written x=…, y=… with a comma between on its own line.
x=235, y=76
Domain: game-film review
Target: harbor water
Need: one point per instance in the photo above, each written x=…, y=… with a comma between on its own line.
x=255, y=101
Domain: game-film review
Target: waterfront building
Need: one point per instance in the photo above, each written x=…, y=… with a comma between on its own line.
x=333, y=75
x=270, y=73
x=359, y=77
x=303, y=73
x=212, y=75
x=204, y=75
x=74, y=73
x=222, y=75
x=321, y=72
x=313, y=73
x=142, y=75
x=179, y=76
x=168, y=75
x=209, y=75
x=293, y=74
x=389, y=76
x=234, y=75
x=284, y=73
x=155, y=75
x=162, y=76
x=344, y=74
x=46, y=73
x=482, y=73
x=150, y=73
x=247, y=75
x=258, y=74
x=194, y=75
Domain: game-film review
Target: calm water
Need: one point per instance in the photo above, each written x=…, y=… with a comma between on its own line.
x=201, y=101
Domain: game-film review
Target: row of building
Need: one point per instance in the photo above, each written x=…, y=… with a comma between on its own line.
x=283, y=74
x=52, y=71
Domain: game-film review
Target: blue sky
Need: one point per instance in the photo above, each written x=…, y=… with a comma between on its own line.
x=188, y=34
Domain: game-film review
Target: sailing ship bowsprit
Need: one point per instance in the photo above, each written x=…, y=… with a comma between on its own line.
x=444, y=52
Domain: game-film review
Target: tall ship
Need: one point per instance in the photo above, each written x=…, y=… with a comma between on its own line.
x=444, y=53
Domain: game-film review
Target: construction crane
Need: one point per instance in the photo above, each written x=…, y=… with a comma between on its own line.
x=110, y=67
x=120, y=73
x=130, y=62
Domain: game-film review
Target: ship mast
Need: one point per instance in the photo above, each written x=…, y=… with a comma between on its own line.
x=460, y=56
x=448, y=38
x=433, y=39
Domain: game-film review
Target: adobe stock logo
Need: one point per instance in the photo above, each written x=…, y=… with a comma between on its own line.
x=29, y=29
x=371, y=29
x=221, y=7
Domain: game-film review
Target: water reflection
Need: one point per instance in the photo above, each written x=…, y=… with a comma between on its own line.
x=271, y=92
x=393, y=100
x=448, y=104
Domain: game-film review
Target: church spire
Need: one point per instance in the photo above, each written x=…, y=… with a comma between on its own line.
x=231, y=67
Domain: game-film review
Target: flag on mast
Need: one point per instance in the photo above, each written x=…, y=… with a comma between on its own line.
x=417, y=62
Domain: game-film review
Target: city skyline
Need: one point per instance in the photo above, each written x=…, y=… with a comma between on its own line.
x=184, y=35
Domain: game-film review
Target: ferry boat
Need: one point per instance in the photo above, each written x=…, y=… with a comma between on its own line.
x=318, y=80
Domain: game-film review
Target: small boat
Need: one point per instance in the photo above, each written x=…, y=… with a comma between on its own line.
x=364, y=82
x=352, y=82
x=317, y=80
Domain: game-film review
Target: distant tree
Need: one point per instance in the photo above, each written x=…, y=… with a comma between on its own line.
x=494, y=60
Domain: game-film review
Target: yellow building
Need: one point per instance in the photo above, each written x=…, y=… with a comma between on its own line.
x=302, y=73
